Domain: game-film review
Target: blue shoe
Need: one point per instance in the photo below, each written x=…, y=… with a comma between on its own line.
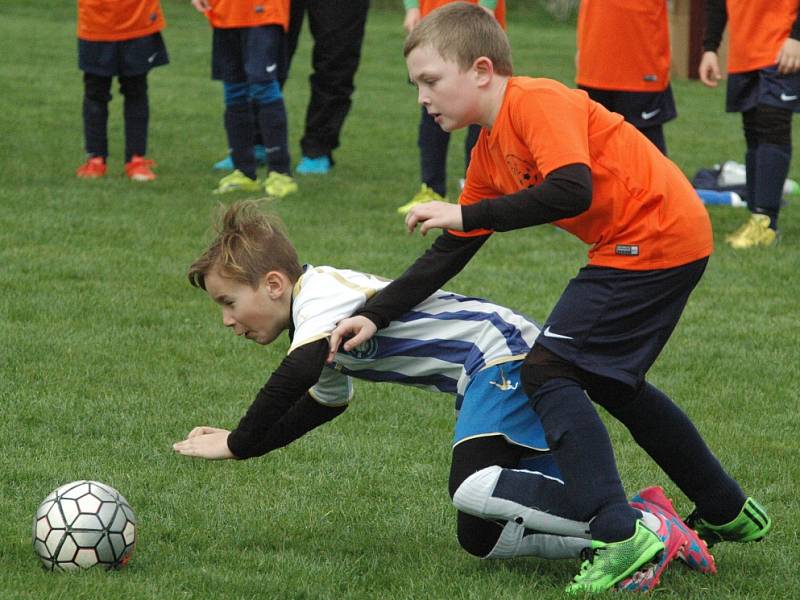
x=316, y=166
x=226, y=164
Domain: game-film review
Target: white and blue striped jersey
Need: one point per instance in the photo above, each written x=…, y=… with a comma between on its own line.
x=439, y=345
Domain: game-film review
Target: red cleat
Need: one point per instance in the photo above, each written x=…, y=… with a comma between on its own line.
x=139, y=169
x=93, y=168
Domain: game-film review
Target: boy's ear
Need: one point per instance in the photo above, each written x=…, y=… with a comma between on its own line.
x=276, y=283
x=484, y=69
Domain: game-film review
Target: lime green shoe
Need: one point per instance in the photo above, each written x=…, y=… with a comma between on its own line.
x=756, y=232
x=425, y=194
x=606, y=564
x=279, y=185
x=750, y=525
x=237, y=182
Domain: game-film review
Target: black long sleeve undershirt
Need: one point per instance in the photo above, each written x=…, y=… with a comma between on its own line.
x=440, y=263
x=716, y=19
x=565, y=192
x=283, y=410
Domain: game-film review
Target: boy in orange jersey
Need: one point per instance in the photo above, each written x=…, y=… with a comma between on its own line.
x=763, y=85
x=432, y=140
x=122, y=41
x=248, y=37
x=623, y=62
x=548, y=154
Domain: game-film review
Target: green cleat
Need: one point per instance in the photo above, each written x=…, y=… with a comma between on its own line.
x=425, y=194
x=750, y=525
x=237, y=182
x=279, y=185
x=607, y=564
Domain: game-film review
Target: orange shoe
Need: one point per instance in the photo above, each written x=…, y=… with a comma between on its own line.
x=138, y=169
x=93, y=168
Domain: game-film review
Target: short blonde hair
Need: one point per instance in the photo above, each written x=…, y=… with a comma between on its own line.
x=462, y=32
x=248, y=245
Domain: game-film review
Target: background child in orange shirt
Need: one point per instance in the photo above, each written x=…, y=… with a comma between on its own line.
x=120, y=40
x=623, y=62
x=247, y=55
x=549, y=154
x=763, y=85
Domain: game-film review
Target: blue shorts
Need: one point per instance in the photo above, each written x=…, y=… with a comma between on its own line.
x=248, y=54
x=640, y=109
x=125, y=58
x=614, y=322
x=495, y=404
x=766, y=86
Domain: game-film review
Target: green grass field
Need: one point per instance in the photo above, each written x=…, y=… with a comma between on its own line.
x=108, y=356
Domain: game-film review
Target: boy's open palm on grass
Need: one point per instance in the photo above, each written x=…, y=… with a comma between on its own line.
x=205, y=442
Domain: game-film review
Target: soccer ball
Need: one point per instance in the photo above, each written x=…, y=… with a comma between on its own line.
x=83, y=524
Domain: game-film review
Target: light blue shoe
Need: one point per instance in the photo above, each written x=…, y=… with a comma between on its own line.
x=226, y=164
x=315, y=166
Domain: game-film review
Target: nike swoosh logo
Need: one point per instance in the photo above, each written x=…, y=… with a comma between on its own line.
x=649, y=115
x=152, y=57
x=271, y=68
x=785, y=98
x=550, y=334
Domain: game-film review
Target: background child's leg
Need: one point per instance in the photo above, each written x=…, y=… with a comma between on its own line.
x=96, y=96
x=239, y=127
x=272, y=124
x=663, y=430
x=773, y=128
x=656, y=135
x=137, y=114
x=473, y=131
x=433, y=142
x=750, y=155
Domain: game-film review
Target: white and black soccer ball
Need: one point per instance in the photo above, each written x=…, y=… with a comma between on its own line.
x=83, y=524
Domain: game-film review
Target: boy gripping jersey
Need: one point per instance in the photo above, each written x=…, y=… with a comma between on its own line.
x=757, y=32
x=644, y=214
x=229, y=14
x=441, y=345
x=641, y=36
x=105, y=21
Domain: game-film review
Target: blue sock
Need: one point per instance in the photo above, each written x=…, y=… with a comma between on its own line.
x=772, y=167
x=582, y=450
x=239, y=127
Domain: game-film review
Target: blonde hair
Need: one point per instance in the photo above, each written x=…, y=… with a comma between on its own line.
x=463, y=32
x=248, y=244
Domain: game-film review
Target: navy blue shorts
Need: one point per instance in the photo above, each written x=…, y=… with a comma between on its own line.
x=614, y=322
x=125, y=58
x=766, y=86
x=248, y=54
x=640, y=109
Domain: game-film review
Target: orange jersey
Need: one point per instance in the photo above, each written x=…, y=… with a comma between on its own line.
x=426, y=6
x=229, y=14
x=644, y=213
x=105, y=21
x=623, y=45
x=758, y=29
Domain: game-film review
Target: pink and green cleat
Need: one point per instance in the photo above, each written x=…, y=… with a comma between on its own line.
x=695, y=554
x=647, y=578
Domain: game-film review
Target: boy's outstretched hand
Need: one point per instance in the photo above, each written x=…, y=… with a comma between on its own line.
x=205, y=442
x=430, y=215
x=356, y=330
